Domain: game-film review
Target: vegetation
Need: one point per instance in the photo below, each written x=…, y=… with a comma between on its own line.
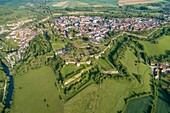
x=139, y=105
x=105, y=64
x=159, y=48
x=45, y=84
x=3, y=81
x=36, y=90
x=70, y=69
x=162, y=102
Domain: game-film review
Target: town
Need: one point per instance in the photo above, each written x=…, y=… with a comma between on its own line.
x=95, y=28
x=85, y=56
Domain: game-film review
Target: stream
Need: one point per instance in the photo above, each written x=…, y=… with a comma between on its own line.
x=10, y=88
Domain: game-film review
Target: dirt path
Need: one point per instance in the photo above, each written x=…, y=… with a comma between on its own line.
x=5, y=87
x=76, y=76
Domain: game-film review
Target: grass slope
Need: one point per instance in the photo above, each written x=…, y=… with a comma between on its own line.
x=83, y=102
x=163, y=102
x=31, y=91
x=112, y=94
x=140, y=105
x=69, y=70
x=140, y=69
x=157, y=49
x=106, y=65
x=107, y=98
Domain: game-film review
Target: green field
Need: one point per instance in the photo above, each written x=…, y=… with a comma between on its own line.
x=163, y=102
x=157, y=49
x=107, y=98
x=35, y=92
x=70, y=69
x=106, y=65
x=58, y=45
x=83, y=102
x=140, y=69
x=15, y=10
x=140, y=105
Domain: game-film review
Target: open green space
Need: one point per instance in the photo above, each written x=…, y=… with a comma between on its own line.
x=35, y=92
x=83, y=102
x=58, y=45
x=70, y=69
x=163, y=102
x=140, y=105
x=129, y=61
x=140, y=69
x=112, y=94
x=15, y=10
x=105, y=64
x=157, y=49
x=106, y=98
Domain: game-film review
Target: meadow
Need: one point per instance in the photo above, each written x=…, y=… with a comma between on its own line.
x=58, y=45
x=35, y=92
x=70, y=69
x=106, y=98
x=139, y=105
x=141, y=69
x=104, y=64
x=109, y=96
x=163, y=101
x=157, y=49
x=15, y=11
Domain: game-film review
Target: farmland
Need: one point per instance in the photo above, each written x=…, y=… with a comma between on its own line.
x=15, y=11
x=61, y=4
x=131, y=2
x=35, y=92
x=86, y=3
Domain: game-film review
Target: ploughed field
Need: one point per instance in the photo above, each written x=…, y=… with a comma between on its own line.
x=131, y=2
x=85, y=3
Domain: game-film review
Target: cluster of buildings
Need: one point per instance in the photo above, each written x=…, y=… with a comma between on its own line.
x=13, y=58
x=3, y=30
x=97, y=27
x=22, y=37
x=158, y=68
x=14, y=26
